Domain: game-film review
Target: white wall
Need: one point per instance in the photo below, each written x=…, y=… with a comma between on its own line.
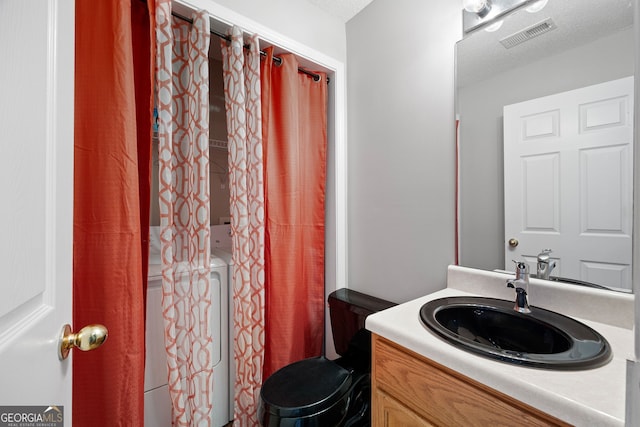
x=401, y=158
x=296, y=19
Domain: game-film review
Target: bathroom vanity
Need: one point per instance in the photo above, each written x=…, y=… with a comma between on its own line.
x=420, y=379
x=409, y=389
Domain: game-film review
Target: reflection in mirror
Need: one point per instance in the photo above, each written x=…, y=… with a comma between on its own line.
x=567, y=47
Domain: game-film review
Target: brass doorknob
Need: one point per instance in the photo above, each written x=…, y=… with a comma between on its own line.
x=88, y=338
x=513, y=242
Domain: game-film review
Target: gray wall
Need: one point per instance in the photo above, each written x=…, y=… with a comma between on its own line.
x=481, y=156
x=401, y=158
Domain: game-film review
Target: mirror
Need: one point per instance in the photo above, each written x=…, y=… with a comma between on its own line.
x=592, y=42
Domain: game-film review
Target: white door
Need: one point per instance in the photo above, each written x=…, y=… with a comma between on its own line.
x=568, y=170
x=36, y=192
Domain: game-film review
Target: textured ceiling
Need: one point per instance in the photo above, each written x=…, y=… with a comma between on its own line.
x=343, y=9
x=480, y=55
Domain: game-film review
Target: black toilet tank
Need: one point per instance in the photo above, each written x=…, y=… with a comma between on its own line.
x=318, y=392
x=348, y=310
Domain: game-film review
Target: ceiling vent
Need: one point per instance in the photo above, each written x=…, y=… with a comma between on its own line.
x=528, y=33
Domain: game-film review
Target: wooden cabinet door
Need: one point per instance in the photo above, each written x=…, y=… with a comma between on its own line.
x=411, y=390
x=388, y=412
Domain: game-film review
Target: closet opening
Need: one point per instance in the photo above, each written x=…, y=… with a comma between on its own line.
x=219, y=167
x=335, y=199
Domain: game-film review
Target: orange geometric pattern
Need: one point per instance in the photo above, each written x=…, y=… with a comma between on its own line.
x=183, y=106
x=244, y=127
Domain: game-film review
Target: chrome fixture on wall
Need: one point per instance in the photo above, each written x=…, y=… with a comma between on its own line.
x=478, y=13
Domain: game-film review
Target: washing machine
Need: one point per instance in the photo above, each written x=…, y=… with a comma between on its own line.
x=224, y=253
x=157, y=405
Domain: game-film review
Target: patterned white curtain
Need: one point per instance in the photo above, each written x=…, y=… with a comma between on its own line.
x=244, y=127
x=183, y=107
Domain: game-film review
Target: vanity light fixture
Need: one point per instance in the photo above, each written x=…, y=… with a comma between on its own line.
x=537, y=6
x=494, y=26
x=477, y=13
x=479, y=7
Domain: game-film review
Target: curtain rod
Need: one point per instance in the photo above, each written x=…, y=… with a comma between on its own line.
x=276, y=59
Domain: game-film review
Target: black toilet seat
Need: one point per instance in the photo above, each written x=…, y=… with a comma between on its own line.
x=306, y=388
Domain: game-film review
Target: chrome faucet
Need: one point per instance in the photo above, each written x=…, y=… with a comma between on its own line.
x=545, y=265
x=521, y=285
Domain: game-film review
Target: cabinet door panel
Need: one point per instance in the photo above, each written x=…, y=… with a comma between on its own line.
x=391, y=413
x=443, y=396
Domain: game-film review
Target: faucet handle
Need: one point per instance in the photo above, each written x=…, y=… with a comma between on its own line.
x=521, y=267
x=543, y=256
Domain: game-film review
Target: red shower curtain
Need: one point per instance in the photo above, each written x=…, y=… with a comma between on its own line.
x=294, y=139
x=113, y=107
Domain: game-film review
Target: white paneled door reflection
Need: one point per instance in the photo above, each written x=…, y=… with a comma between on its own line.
x=568, y=182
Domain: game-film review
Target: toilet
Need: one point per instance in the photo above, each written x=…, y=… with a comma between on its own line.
x=318, y=392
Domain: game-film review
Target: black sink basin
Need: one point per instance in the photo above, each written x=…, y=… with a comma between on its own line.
x=490, y=327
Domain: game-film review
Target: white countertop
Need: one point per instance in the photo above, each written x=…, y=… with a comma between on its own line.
x=583, y=398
